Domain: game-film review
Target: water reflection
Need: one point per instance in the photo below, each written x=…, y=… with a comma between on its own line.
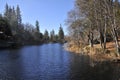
x=52, y=62
x=10, y=67
x=100, y=71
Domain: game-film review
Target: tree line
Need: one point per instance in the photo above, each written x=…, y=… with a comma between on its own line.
x=94, y=21
x=13, y=29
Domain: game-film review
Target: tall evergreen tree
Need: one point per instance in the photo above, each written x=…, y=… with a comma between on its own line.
x=52, y=36
x=46, y=36
x=38, y=34
x=18, y=14
x=61, y=33
x=11, y=15
x=6, y=10
x=13, y=21
x=37, y=26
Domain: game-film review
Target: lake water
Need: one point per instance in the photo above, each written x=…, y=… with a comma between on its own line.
x=52, y=62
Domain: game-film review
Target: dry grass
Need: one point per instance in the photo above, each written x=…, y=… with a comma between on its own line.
x=99, y=54
x=109, y=45
x=96, y=52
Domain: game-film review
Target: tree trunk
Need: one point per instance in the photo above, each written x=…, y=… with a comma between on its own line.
x=91, y=39
x=101, y=39
x=115, y=36
x=116, y=42
x=105, y=28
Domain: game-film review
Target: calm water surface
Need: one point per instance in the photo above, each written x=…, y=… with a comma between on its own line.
x=52, y=62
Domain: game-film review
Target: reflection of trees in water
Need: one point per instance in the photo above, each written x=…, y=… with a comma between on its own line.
x=11, y=66
x=79, y=64
x=100, y=71
x=116, y=72
x=106, y=71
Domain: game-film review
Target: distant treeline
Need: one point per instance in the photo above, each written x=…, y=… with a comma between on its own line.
x=12, y=29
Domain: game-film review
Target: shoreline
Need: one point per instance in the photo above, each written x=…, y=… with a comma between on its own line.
x=96, y=54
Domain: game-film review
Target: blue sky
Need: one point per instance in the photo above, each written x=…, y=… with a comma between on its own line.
x=49, y=13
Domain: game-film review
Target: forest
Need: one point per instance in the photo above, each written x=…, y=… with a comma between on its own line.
x=92, y=23
x=13, y=30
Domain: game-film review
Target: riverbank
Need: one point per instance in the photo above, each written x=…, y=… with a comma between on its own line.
x=96, y=53
x=13, y=44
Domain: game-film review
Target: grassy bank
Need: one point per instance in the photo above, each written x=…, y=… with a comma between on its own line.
x=96, y=53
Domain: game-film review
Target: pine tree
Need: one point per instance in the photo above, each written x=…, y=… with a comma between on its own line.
x=37, y=26
x=18, y=15
x=46, y=36
x=52, y=36
x=9, y=14
x=6, y=11
x=61, y=33
x=12, y=16
x=38, y=34
x=13, y=20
